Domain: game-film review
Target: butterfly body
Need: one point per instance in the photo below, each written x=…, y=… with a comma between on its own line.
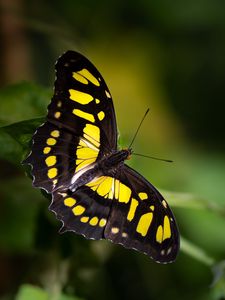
x=107, y=166
x=113, y=161
x=75, y=158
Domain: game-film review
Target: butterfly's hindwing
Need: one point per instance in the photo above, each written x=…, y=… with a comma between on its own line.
x=123, y=208
x=141, y=219
x=82, y=211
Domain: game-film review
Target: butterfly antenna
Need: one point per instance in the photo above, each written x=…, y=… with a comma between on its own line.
x=138, y=128
x=153, y=157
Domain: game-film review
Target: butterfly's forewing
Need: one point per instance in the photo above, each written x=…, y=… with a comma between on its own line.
x=81, y=96
x=80, y=127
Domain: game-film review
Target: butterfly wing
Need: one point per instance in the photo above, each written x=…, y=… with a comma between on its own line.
x=124, y=208
x=81, y=96
x=80, y=126
x=141, y=219
x=84, y=211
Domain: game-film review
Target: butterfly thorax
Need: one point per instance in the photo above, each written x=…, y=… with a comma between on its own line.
x=113, y=161
x=107, y=165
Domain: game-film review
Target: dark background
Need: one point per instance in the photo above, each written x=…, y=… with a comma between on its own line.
x=168, y=56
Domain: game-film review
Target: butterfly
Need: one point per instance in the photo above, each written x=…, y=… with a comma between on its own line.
x=75, y=158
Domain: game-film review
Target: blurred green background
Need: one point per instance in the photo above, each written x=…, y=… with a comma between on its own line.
x=165, y=55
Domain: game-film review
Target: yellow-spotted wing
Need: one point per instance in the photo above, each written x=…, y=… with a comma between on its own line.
x=80, y=126
x=74, y=157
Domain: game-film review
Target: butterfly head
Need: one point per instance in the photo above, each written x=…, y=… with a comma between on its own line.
x=127, y=153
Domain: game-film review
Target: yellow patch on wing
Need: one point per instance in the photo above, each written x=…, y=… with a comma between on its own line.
x=46, y=150
x=163, y=232
x=52, y=173
x=51, y=141
x=81, y=163
x=159, y=234
x=78, y=210
x=59, y=104
x=102, y=222
x=84, y=219
x=55, y=133
x=167, y=229
x=93, y=221
x=87, y=74
x=116, y=188
x=96, y=182
x=132, y=209
x=101, y=115
x=85, y=155
x=144, y=223
x=86, y=143
x=122, y=192
x=80, y=97
x=69, y=201
x=107, y=94
x=164, y=203
x=50, y=160
x=103, y=185
x=143, y=196
x=80, y=78
x=115, y=230
x=57, y=114
x=84, y=115
x=92, y=134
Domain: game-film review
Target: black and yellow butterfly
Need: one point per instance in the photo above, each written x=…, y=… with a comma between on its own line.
x=74, y=157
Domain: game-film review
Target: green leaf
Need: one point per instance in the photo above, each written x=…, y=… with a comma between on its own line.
x=187, y=200
x=23, y=101
x=67, y=297
x=196, y=252
x=15, y=139
x=28, y=292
